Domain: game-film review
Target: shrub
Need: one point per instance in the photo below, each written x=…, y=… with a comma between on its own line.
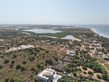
x=97, y=69
x=12, y=62
x=1, y=66
x=34, y=70
x=84, y=72
x=78, y=69
x=103, y=70
x=6, y=79
x=75, y=74
x=49, y=61
x=98, y=76
x=23, y=68
x=18, y=66
x=11, y=80
x=84, y=67
x=11, y=66
x=39, y=66
x=74, y=69
x=31, y=76
x=6, y=61
x=24, y=62
x=90, y=73
x=14, y=56
x=67, y=69
x=31, y=58
x=104, y=76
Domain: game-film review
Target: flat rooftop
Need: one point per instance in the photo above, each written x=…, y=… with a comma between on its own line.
x=70, y=52
x=47, y=73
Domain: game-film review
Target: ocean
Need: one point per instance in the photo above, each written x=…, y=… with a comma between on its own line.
x=100, y=29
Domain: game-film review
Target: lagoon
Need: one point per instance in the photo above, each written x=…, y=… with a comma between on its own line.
x=68, y=37
x=43, y=30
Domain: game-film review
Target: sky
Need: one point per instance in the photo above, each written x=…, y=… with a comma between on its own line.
x=64, y=12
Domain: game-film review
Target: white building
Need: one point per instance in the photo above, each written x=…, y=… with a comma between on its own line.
x=70, y=52
x=1, y=40
x=48, y=75
x=95, y=52
x=20, y=48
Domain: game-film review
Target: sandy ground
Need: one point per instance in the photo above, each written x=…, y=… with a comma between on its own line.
x=76, y=39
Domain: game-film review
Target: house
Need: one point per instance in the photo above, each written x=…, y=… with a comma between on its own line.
x=95, y=52
x=70, y=52
x=68, y=56
x=95, y=36
x=61, y=46
x=1, y=40
x=95, y=44
x=78, y=48
x=26, y=46
x=86, y=43
x=48, y=75
x=100, y=53
x=94, y=41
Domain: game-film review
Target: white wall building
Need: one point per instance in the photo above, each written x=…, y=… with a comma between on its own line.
x=48, y=75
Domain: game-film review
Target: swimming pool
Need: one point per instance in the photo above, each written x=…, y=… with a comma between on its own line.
x=56, y=77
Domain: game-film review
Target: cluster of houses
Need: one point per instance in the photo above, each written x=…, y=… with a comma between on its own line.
x=95, y=47
x=19, y=48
